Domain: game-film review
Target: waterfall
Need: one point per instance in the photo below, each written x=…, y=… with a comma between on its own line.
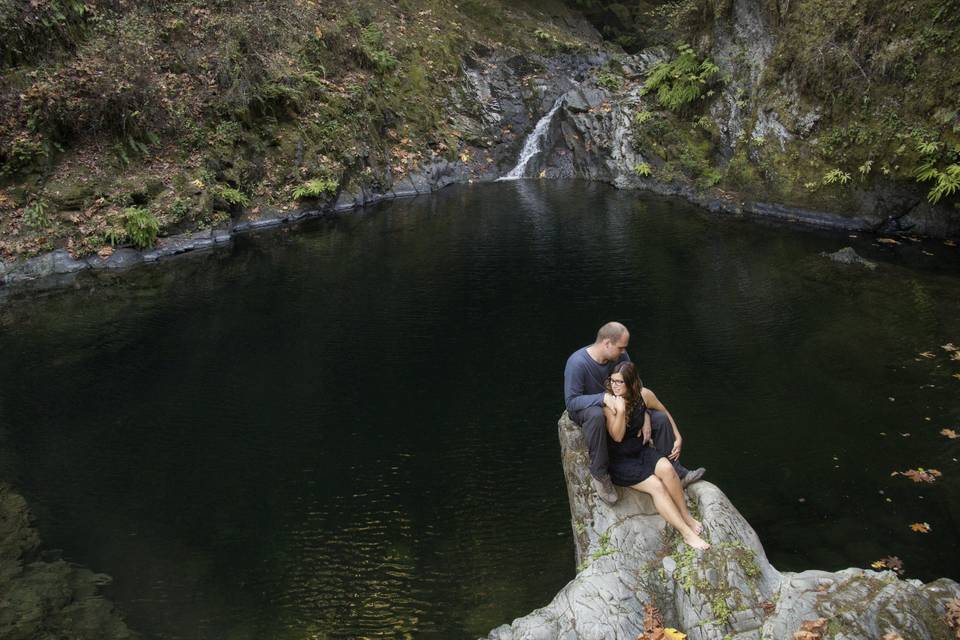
x=531, y=146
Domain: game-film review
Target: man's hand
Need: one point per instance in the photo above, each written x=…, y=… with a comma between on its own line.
x=675, y=453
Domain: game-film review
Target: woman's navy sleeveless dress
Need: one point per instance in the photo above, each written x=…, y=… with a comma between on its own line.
x=630, y=461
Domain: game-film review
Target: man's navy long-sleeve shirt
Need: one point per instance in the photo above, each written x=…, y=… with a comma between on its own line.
x=584, y=380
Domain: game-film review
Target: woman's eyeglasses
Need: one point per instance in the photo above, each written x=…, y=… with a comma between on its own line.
x=612, y=381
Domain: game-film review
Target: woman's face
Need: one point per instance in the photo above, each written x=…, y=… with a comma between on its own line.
x=617, y=384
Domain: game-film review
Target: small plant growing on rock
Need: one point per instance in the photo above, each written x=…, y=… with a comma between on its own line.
x=141, y=227
x=682, y=80
x=642, y=117
x=233, y=197
x=314, y=189
x=609, y=81
x=835, y=176
x=643, y=169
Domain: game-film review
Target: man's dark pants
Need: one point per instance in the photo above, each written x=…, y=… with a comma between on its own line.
x=594, y=427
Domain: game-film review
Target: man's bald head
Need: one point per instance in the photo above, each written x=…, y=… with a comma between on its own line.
x=612, y=331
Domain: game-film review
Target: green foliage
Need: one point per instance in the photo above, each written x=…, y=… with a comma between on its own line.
x=609, y=81
x=140, y=226
x=604, y=549
x=948, y=183
x=836, y=176
x=29, y=30
x=681, y=81
x=233, y=197
x=642, y=117
x=314, y=189
x=643, y=170
x=36, y=215
x=372, y=47
x=26, y=153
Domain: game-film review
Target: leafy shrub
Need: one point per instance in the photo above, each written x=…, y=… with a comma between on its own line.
x=317, y=188
x=140, y=226
x=29, y=30
x=115, y=93
x=371, y=44
x=26, y=153
x=36, y=215
x=680, y=81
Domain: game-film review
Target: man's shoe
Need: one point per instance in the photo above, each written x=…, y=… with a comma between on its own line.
x=692, y=476
x=605, y=489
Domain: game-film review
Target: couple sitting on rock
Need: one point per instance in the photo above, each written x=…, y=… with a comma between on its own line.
x=632, y=438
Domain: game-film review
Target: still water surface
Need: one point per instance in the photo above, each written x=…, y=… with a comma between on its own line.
x=350, y=430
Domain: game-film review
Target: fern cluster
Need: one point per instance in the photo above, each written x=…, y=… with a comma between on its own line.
x=141, y=227
x=316, y=188
x=371, y=44
x=233, y=197
x=680, y=81
x=946, y=180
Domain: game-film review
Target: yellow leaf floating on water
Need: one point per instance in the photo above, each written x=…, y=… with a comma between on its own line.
x=887, y=241
x=950, y=433
x=920, y=527
x=949, y=347
x=926, y=354
x=673, y=634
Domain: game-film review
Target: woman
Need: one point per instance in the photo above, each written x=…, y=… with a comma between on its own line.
x=635, y=465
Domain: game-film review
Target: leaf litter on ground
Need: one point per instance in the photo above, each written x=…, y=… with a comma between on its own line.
x=919, y=474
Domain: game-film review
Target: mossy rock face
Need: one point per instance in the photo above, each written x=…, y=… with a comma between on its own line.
x=73, y=193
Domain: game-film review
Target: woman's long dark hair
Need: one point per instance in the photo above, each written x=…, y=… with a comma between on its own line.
x=634, y=385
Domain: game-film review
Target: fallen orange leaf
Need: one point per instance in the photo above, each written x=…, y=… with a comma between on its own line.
x=920, y=527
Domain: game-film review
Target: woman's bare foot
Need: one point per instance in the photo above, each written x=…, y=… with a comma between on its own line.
x=696, y=542
x=694, y=524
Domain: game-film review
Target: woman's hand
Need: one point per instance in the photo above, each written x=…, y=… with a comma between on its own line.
x=675, y=453
x=619, y=404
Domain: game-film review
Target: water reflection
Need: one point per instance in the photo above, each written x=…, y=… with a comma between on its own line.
x=349, y=430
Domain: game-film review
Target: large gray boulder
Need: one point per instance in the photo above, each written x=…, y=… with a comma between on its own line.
x=629, y=557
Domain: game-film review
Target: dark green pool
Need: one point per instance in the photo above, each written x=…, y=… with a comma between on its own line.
x=349, y=429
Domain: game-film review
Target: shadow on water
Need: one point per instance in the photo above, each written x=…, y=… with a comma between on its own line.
x=350, y=430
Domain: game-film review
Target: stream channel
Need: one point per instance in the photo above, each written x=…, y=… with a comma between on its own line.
x=349, y=429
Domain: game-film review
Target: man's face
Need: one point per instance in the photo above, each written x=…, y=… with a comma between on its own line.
x=613, y=350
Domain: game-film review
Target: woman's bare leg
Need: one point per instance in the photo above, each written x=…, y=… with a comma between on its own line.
x=665, y=505
x=668, y=475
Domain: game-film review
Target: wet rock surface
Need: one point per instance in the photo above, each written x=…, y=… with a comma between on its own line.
x=629, y=557
x=43, y=598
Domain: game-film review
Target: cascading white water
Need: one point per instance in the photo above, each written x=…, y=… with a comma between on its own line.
x=531, y=146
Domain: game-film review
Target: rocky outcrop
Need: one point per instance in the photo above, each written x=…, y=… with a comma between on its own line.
x=43, y=598
x=629, y=557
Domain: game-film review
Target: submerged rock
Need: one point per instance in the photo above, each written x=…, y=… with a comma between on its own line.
x=848, y=256
x=47, y=599
x=629, y=557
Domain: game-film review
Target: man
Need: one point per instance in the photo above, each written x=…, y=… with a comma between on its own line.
x=584, y=391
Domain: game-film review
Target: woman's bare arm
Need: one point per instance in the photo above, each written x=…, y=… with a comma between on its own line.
x=616, y=423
